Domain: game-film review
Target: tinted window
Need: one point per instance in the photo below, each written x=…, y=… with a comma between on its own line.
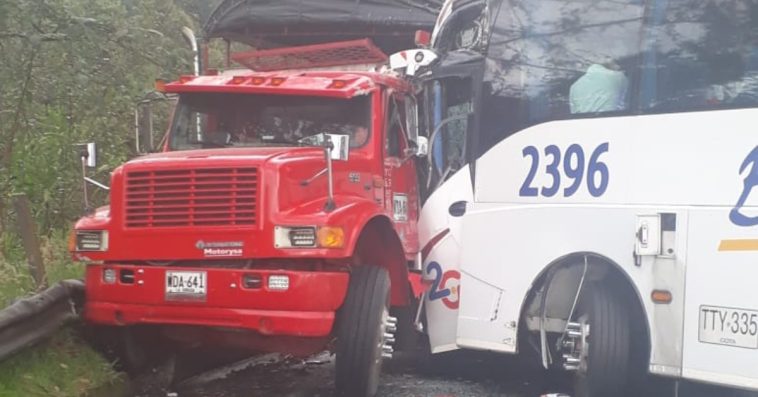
x=703, y=54
x=451, y=103
x=393, y=140
x=554, y=59
x=224, y=120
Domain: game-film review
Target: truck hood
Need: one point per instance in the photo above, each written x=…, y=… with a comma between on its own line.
x=254, y=154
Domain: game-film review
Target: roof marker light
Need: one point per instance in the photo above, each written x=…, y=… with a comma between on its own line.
x=238, y=79
x=160, y=85
x=338, y=84
x=258, y=80
x=276, y=81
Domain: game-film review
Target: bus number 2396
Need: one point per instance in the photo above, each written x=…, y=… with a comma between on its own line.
x=574, y=166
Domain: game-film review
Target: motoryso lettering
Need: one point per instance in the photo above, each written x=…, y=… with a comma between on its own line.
x=222, y=251
x=221, y=248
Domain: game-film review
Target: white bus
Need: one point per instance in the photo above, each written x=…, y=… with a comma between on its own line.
x=590, y=187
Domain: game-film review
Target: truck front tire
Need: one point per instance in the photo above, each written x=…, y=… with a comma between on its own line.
x=360, y=332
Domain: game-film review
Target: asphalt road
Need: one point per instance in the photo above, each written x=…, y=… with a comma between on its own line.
x=454, y=375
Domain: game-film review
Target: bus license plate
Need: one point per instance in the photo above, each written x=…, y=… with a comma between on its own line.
x=728, y=326
x=186, y=285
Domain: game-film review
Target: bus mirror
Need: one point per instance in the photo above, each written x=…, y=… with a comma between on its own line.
x=412, y=60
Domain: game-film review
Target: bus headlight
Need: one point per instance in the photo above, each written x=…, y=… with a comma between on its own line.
x=91, y=240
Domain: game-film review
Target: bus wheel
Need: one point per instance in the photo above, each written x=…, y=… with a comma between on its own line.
x=365, y=332
x=596, y=344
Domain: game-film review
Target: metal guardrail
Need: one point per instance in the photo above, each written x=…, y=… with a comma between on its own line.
x=30, y=320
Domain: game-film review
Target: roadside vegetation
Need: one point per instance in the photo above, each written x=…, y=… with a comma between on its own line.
x=72, y=71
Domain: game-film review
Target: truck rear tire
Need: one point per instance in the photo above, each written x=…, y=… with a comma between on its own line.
x=360, y=332
x=604, y=368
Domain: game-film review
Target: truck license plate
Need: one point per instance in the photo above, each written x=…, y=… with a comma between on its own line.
x=728, y=326
x=186, y=285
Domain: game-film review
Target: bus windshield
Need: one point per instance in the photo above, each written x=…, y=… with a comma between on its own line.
x=208, y=120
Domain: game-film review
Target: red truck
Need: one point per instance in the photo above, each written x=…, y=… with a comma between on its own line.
x=278, y=215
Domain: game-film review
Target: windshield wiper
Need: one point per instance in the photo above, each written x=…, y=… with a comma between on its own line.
x=211, y=144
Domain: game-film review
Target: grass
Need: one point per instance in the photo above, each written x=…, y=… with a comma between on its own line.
x=61, y=367
x=15, y=278
x=64, y=365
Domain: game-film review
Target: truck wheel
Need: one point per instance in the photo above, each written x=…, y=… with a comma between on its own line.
x=363, y=320
x=132, y=350
x=603, y=344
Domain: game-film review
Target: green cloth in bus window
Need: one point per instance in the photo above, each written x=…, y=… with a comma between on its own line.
x=601, y=89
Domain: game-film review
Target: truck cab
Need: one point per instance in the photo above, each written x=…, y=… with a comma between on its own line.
x=278, y=214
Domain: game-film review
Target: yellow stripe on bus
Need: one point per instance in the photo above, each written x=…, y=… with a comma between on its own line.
x=739, y=245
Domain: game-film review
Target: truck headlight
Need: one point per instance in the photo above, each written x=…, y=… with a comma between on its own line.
x=308, y=237
x=278, y=282
x=91, y=240
x=109, y=276
x=294, y=237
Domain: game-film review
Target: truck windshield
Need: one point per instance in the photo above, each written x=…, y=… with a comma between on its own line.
x=207, y=120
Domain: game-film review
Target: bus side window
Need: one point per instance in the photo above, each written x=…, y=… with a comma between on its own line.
x=711, y=64
x=559, y=60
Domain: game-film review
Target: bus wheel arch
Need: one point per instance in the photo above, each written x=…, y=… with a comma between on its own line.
x=559, y=281
x=379, y=245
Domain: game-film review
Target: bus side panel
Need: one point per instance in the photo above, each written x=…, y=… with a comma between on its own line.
x=532, y=206
x=440, y=235
x=507, y=247
x=722, y=280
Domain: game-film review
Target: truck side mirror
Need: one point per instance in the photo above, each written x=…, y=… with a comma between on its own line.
x=88, y=153
x=340, y=150
x=143, y=134
x=422, y=146
x=154, y=106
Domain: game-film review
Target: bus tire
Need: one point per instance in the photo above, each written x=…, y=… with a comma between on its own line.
x=605, y=364
x=360, y=332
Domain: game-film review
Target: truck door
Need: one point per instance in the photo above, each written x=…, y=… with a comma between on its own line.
x=400, y=180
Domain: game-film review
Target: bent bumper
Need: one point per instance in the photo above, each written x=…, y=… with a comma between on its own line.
x=307, y=308
x=267, y=322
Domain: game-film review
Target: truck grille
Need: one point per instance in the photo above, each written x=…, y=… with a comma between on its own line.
x=199, y=197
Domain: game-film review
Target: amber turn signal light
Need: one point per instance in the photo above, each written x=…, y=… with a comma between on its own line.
x=661, y=297
x=331, y=237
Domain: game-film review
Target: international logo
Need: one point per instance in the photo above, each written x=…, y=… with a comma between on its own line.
x=737, y=215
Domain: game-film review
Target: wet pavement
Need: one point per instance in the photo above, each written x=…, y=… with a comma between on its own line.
x=460, y=374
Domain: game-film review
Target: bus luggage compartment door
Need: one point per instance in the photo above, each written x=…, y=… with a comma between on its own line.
x=721, y=304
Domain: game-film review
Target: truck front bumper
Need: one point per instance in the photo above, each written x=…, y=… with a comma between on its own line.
x=307, y=308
